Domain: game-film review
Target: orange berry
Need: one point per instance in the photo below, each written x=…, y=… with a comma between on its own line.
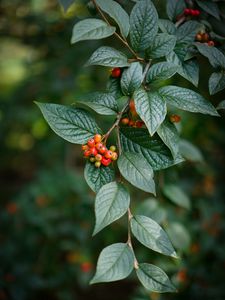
x=93, y=151
x=86, y=267
x=108, y=154
x=91, y=143
x=12, y=208
x=87, y=153
x=97, y=138
x=112, y=148
x=125, y=121
x=198, y=37
x=106, y=161
x=84, y=147
x=132, y=108
x=98, y=164
x=116, y=72
x=205, y=37
x=114, y=156
x=182, y=275
x=175, y=118
x=131, y=123
x=98, y=157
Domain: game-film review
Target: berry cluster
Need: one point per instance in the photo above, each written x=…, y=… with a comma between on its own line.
x=175, y=118
x=203, y=37
x=132, y=123
x=191, y=12
x=97, y=153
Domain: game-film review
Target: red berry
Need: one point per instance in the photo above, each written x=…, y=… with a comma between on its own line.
x=84, y=147
x=116, y=72
x=187, y=11
x=103, y=149
x=87, y=153
x=175, y=118
x=197, y=12
x=132, y=108
x=97, y=138
x=99, y=146
x=108, y=154
x=192, y=12
x=125, y=121
x=93, y=151
x=106, y=161
x=98, y=164
x=131, y=123
x=114, y=156
x=86, y=267
x=91, y=143
x=211, y=43
x=112, y=148
x=98, y=157
x=139, y=124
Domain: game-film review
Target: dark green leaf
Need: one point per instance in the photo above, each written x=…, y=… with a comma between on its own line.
x=216, y=82
x=176, y=195
x=167, y=26
x=66, y=4
x=151, y=235
x=115, y=262
x=161, y=71
x=190, y=152
x=175, y=8
x=131, y=78
x=72, y=124
x=161, y=45
x=179, y=236
x=209, y=7
x=187, y=31
x=135, y=168
x=215, y=56
x=221, y=105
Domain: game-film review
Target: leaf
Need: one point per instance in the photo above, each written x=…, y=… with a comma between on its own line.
x=179, y=235
x=113, y=87
x=161, y=45
x=66, y=4
x=161, y=71
x=115, y=262
x=210, y=7
x=167, y=26
x=221, y=105
x=102, y=103
x=187, y=31
x=138, y=140
x=190, y=151
x=91, y=29
x=143, y=24
x=111, y=203
x=109, y=57
x=151, y=107
x=72, y=124
x=216, y=82
x=135, y=168
x=151, y=208
x=169, y=135
x=97, y=177
x=187, y=100
x=115, y=11
x=215, y=56
x=175, y=8
x=151, y=235
x=176, y=195
x=154, y=279
x=131, y=78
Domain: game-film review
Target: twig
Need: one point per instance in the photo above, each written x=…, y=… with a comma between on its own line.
x=180, y=21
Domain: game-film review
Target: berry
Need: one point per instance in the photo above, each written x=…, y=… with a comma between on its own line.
x=99, y=146
x=112, y=148
x=198, y=37
x=98, y=164
x=116, y=72
x=205, y=37
x=93, y=151
x=175, y=118
x=125, y=121
x=92, y=159
x=98, y=157
x=192, y=12
x=211, y=43
x=87, y=153
x=106, y=161
x=114, y=156
x=131, y=123
x=97, y=138
x=108, y=154
x=84, y=147
x=132, y=108
x=91, y=143
x=86, y=267
x=103, y=149
x=187, y=11
x=139, y=124
x=197, y=13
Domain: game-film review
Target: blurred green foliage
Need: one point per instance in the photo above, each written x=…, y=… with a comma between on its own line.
x=46, y=218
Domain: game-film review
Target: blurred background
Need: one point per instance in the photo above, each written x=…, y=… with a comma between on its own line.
x=47, y=216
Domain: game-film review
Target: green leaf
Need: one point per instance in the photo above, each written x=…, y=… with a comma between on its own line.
x=102, y=103
x=66, y=4
x=115, y=262
x=109, y=57
x=72, y=124
x=176, y=195
x=115, y=11
x=190, y=151
x=161, y=71
x=210, y=7
x=215, y=56
x=216, y=82
x=179, y=236
x=151, y=235
x=187, y=100
x=111, y=203
x=91, y=29
x=131, y=78
x=135, y=168
x=113, y=87
x=169, y=135
x=154, y=279
x=175, y=8
x=187, y=31
x=97, y=177
x=167, y=26
x=151, y=107
x=221, y=105
x=143, y=24
x=151, y=208
x=138, y=140
x=161, y=45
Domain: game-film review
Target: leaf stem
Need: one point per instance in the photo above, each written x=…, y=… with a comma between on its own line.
x=124, y=41
x=129, y=242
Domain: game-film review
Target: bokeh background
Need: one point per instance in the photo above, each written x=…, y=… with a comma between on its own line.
x=46, y=214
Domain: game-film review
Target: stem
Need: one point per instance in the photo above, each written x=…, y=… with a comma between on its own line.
x=129, y=242
x=116, y=34
x=179, y=22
